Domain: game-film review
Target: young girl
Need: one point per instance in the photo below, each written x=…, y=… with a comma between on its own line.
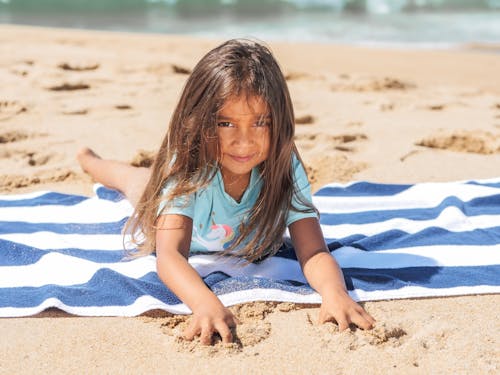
x=228, y=179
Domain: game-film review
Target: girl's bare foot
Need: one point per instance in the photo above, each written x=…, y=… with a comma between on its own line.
x=86, y=157
x=114, y=174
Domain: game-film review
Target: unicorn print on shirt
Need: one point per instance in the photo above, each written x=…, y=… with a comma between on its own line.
x=218, y=238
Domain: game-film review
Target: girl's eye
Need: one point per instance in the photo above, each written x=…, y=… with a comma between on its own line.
x=224, y=124
x=262, y=123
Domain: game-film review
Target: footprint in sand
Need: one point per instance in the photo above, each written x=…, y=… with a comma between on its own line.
x=253, y=329
x=159, y=69
x=78, y=67
x=292, y=76
x=23, y=157
x=320, y=172
x=436, y=107
x=347, y=138
x=13, y=136
x=304, y=120
x=22, y=68
x=319, y=169
x=338, y=142
x=12, y=182
x=11, y=108
x=123, y=107
x=477, y=142
x=143, y=158
x=19, y=72
x=69, y=87
x=387, y=107
x=362, y=84
x=75, y=111
x=177, y=69
x=36, y=159
x=73, y=108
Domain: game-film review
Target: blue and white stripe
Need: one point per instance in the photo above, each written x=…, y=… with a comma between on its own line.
x=392, y=241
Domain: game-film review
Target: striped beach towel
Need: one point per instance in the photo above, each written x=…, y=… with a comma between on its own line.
x=392, y=241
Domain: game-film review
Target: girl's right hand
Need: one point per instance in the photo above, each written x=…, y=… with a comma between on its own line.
x=209, y=318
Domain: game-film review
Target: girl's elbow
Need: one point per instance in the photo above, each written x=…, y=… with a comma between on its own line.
x=306, y=257
x=165, y=259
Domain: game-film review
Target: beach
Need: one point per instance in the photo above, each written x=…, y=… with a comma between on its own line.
x=380, y=115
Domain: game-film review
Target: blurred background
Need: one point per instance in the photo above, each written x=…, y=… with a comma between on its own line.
x=393, y=23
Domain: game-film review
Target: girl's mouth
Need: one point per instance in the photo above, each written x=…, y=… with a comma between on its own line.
x=242, y=158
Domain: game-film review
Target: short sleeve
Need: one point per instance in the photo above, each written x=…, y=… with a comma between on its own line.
x=182, y=205
x=302, y=190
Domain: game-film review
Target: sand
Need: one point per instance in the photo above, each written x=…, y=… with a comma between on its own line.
x=396, y=116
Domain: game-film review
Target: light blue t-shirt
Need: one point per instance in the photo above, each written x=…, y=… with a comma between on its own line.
x=216, y=215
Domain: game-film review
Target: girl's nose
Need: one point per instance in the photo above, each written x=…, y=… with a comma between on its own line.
x=245, y=137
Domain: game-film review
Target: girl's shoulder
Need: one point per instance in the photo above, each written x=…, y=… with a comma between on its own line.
x=299, y=171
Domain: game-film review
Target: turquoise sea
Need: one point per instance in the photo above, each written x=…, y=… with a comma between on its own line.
x=398, y=23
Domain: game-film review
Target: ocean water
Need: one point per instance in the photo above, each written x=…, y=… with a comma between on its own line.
x=398, y=23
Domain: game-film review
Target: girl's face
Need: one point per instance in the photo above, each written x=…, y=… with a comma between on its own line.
x=243, y=129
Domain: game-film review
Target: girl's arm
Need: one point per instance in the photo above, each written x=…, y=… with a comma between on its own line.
x=173, y=240
x=325, y=276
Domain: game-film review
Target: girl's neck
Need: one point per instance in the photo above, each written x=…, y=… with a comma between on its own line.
x=235, y=185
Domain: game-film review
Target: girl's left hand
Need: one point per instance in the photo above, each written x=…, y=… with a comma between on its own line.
x=342, y=309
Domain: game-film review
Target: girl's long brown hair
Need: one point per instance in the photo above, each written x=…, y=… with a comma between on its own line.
x=188, y=153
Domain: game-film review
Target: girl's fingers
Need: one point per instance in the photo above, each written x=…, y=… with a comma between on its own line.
x=369, y=318
x=363, y=321
x=323, y=317
x=343, y=323
x=191, y=331
x=206, y=335
x=206, y=328
x=234, y=322
x=224, y=332
x=341, y=319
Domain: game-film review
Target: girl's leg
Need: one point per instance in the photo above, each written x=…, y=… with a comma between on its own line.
x=117, y=175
